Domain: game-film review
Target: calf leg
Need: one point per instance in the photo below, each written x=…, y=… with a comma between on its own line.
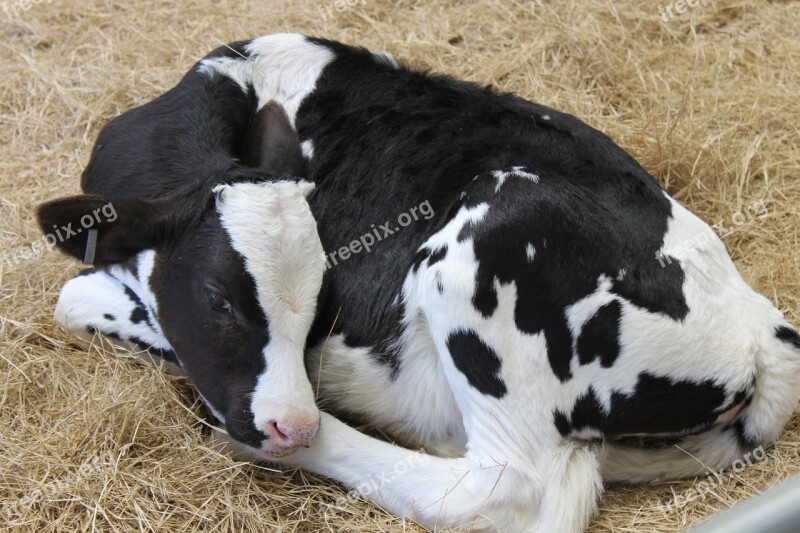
x=756, y=424
x=475, y=492
x=113, y=303
x=432, y=490
x=506, y=390
x=471, y=492
x=548, y=483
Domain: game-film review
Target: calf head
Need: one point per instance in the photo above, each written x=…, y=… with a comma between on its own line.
x=235, y=276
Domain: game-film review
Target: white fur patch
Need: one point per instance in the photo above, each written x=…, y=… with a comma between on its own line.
x=386, y=58
x=307, y=148
x=519, y=172
x=283, y=67
x=530, y=252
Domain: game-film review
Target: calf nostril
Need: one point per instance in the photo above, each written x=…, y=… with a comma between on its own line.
x=278, y=433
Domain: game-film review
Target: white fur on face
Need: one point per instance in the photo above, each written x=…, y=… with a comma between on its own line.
x=271, y=226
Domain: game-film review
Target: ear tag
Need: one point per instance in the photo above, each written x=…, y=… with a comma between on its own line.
x=91, y=247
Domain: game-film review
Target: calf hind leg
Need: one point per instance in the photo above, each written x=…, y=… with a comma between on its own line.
x=756, y=425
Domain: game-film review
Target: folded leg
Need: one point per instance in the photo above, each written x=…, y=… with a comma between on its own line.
x=112, y=303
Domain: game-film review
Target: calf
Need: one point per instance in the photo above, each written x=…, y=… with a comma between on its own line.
x=533, y=328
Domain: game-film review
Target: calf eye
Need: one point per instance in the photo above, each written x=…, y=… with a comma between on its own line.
x=217, y=301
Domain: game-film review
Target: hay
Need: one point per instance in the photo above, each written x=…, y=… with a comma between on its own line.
x=707, y=102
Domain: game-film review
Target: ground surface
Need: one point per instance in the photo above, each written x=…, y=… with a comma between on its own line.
x=706, y=100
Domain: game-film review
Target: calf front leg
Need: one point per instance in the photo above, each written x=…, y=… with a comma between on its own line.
x=433, y=491
x=469, y=493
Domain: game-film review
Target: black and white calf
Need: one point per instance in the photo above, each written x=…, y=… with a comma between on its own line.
x=536, y=333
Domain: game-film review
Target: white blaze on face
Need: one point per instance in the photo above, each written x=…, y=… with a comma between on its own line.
x=271, y=226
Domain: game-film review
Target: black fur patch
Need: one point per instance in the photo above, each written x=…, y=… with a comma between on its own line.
x=437, y=256
x=600, y=336
x=167, y=355
x=657, y=405
x=477, y=361
x=788, y=335
x=139, y=313
x=433, y=257
x=239, y=424
x=562, y=423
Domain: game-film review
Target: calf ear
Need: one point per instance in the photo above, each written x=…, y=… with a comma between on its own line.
x=113, y=229
x=272, y=144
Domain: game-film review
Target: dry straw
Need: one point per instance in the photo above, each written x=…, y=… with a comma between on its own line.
x=707, y=101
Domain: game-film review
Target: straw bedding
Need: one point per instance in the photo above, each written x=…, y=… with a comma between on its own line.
x=706, y=100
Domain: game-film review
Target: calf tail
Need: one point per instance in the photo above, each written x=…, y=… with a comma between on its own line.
x=758, y=424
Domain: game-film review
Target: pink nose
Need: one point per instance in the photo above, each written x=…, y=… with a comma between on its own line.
x=290, y=433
